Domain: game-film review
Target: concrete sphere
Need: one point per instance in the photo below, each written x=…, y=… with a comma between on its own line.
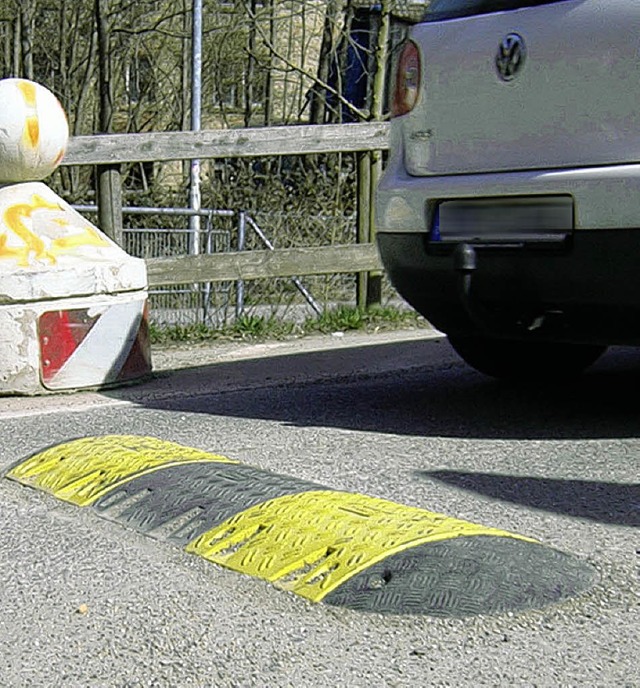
x=33, y=131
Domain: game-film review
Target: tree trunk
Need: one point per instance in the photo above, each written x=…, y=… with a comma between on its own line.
x=27, y=19
x=381, y=56
x=7, y=49
x=249, y=75
x=378, y=89
x=109, y=183
x=327, y=52
x=105, y=90
x=343, y=54
x=268, y=91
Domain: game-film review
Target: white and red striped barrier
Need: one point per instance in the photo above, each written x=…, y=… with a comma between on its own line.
x=72, y=303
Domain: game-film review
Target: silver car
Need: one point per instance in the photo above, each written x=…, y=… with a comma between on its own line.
x=509, y=210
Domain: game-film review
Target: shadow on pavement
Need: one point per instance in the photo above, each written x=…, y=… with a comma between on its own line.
x=411, y=388
x=610, y=503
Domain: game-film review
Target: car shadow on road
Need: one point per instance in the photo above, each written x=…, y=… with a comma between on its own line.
x=439, y=396
x=609, y=503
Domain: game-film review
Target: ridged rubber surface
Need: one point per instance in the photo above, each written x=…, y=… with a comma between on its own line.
x=83, y=470
x=313, y=542
x=182, y=502
x=466, y=577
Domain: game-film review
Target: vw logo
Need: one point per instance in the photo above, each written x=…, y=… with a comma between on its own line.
x=511, y=56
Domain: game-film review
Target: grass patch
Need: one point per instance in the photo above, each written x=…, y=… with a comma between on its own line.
x=259, y=328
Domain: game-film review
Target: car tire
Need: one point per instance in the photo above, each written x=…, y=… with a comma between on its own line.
x=525, y=360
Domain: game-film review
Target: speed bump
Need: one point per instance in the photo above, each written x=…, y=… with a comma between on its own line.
x=326, y=545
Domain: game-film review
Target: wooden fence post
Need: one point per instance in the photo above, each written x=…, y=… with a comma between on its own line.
x=374, y=279
x=109, y=201
x=369, y=284
x=363, y=215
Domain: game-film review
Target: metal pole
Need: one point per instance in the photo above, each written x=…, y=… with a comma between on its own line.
x=206, y=287
x=296, y=280
x=195, y=202
x=242, y=237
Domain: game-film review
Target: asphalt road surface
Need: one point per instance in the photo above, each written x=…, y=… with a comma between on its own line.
x=87, y=602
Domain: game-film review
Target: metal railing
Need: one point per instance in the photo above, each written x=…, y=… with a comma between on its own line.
x=176, y=303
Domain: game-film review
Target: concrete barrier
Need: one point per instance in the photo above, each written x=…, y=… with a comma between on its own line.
x=72, y=303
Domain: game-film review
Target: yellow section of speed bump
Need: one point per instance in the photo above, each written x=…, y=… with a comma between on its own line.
x=83, y=470
x=312, y=542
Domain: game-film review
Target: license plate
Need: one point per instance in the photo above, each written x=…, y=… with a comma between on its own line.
x=502, y=218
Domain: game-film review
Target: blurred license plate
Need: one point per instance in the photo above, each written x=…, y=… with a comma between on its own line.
x=504, y=217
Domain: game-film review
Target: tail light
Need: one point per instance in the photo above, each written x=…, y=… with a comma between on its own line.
x=407, y=86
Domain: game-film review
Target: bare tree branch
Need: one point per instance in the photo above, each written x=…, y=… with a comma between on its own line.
x=309, y=75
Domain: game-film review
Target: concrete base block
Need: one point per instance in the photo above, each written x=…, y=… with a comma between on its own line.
x=72, y=302
x=63, y=345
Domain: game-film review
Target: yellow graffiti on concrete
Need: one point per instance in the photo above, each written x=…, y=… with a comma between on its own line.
x=31, y=134
x=33, y=245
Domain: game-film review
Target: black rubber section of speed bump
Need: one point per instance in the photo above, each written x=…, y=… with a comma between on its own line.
x=182, y=502
x=466, y=577
x=342, y=548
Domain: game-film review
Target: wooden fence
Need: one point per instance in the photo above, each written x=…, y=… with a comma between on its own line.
x=368, y=140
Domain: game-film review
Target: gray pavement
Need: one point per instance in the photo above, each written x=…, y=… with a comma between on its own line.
x=86, y=602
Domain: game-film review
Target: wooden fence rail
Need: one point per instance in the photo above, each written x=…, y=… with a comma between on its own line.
x=248, y=265
x=109, y=151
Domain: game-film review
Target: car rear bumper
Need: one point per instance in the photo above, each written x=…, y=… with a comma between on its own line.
x=583, y=289
x=606, y=197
